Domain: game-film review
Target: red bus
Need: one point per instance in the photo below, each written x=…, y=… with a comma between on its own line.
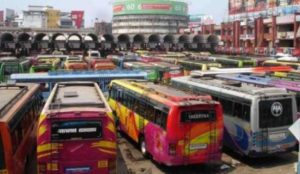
x=174, y=127
x=76, y=132
x=20, y=106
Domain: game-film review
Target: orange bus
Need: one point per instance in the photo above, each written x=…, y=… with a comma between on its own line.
x=20, y=106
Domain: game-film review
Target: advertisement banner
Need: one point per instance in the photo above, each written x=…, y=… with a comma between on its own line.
x=150, y=7
x=251, y=6
x=77, y=17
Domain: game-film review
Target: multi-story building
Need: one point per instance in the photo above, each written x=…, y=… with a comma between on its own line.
x=102, y=28
x=262, y=32
x=36, y=16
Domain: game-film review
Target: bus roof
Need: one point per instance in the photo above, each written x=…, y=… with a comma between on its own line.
x=13, y=96
x=164, y=94
x=77, y=94
x=224, y=87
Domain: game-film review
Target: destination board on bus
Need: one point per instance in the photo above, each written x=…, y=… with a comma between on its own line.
x=67, y=130
x=197, y=116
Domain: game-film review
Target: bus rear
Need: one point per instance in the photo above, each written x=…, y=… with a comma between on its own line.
x=194, y=135
x=76, y=132
x=78, y=143
x=270, y=132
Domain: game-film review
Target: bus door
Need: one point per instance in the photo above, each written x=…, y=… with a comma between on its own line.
x=198, y=139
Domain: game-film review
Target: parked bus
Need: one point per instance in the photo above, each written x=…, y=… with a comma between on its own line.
x=11, y=65
x=102, y=64
x=230, y=62
x=45, y=65
x=174, y=127
x=153, y=71
x=75, y=63
x=190, y=65
x=76, y=132
x=256, y=119
x=120, y=60
x=169, y=70
x=20, y=106
x=292, y=75
x=294, y=65
x=291, y=86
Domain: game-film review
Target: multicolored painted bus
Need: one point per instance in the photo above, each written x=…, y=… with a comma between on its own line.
x=190, y=65
x=12, y=65
x=76, y=131
x=172, y=126
x=20, y=106
x=169, y=70
x=256, y=119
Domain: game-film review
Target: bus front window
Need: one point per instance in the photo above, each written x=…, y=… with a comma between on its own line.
x=2, y=161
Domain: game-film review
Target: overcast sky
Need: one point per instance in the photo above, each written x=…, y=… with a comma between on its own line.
x=102, y=9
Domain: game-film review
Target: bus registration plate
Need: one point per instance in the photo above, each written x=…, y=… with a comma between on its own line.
x=198, y=146
x=72, y=170
x=277, y=137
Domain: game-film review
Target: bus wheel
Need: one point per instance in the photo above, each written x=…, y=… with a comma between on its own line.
x=143, y=147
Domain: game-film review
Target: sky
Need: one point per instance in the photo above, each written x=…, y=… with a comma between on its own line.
x=102, y=9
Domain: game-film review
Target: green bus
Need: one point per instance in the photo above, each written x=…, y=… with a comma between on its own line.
x=45, y=65
x=153, y=71
x=12, y=65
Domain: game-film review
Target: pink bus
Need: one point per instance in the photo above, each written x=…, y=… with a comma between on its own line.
x=76, y=132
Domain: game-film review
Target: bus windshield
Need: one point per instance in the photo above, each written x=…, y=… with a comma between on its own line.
x=76, y=130
x=275, y=113
x=2, y=162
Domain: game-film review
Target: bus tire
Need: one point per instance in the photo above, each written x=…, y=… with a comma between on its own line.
x=143, y=148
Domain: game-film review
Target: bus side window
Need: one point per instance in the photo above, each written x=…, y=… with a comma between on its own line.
x=246, y=112
x=238, y=110
x=298, y=102
x=227, y=106
x=161, y=119
x=119, y=95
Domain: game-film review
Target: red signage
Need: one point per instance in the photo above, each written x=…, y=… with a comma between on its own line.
x=1, y=16
x=118, y=8
x=77, y=16
x=156, y=7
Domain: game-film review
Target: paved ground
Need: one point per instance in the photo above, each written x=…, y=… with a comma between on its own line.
x=232, y=163
x=131, y=161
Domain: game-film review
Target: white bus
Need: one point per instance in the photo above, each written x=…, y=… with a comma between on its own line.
x=256, y=120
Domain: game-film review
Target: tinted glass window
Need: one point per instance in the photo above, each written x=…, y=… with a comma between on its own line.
x=76, y=130
x=275, y=113
x=2, y=162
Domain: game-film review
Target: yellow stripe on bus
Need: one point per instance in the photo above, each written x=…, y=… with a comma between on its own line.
x=47, y=147
x=105, y=144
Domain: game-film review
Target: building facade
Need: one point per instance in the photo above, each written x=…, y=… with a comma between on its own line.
x=264, y=30
x=149, y=17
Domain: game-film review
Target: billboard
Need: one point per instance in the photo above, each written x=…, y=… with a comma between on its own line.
x=77, y=17
x=249, y=6
x=200, y=19
x=150, y=7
